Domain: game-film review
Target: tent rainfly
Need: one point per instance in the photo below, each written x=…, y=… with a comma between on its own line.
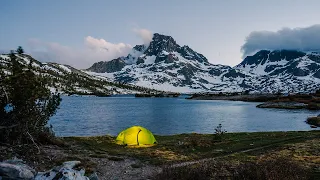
x=136, y=136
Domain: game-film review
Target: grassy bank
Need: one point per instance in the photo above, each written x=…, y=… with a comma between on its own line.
x=189, y=147
x=198, y=153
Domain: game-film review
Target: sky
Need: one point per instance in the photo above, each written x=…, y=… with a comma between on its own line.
x=81, y=32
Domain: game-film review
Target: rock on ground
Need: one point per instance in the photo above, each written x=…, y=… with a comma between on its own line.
x=64, y=172
x=16, y=169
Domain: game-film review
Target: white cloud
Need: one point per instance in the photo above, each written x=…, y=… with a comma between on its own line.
x=304, y=39
x=145, y=34
x=94, y=50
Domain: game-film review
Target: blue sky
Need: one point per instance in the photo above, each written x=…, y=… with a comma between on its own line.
x=70, y=31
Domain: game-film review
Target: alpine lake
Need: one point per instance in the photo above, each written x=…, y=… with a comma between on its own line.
x=93, y=116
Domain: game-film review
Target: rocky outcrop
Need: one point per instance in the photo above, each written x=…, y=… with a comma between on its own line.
x=161, y=43
x=314, y=121
x=167, y=58
x=190, y=54
x=107, y=66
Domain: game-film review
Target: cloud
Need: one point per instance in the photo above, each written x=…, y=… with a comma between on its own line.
x=304, y=39
x=145, y=34
x=93, y=50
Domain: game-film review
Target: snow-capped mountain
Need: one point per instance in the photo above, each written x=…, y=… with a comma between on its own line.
x=285, y=70
x=66, y=79
x=283, y=62
x=165, y=65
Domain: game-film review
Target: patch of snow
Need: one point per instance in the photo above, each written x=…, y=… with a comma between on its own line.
x=150, y=59
x=65, y=68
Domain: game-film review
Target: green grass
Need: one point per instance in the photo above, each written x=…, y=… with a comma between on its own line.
x=187, y=147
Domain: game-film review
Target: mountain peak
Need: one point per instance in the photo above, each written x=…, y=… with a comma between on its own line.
x=161, y=43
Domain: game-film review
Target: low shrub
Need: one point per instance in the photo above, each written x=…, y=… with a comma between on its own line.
x=219, y=133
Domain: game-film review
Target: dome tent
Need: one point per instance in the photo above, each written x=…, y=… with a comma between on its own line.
x=136, y=136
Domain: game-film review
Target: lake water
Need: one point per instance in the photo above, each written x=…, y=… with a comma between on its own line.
x=89, y=115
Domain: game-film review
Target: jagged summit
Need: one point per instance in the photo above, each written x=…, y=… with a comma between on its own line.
x=162, y=49
x=161, y=43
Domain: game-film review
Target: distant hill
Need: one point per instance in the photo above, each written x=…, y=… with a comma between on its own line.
x=66, y=79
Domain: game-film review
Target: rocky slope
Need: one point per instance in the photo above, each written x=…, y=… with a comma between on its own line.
x=165, y=65
x=66, y=79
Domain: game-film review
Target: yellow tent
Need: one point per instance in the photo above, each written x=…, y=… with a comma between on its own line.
x=136, y=136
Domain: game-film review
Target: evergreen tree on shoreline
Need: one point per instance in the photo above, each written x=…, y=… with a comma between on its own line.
x=26, y=103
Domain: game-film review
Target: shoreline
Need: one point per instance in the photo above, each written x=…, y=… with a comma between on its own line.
x=245, y=98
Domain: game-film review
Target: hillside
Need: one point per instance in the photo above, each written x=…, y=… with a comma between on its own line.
x=69, y=80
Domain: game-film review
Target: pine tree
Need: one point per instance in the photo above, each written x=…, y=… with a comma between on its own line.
x=20, y=50
x=30, y=103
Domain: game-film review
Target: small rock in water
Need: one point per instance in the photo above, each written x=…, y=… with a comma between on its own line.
x=16, y=169
x=313, y=126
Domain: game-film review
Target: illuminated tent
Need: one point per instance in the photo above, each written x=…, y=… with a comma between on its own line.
x=136, y=136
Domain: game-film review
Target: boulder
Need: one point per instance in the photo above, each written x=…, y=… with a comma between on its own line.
x=314, y=121
x=16, y=169
x=63, y=172
x=94, y=176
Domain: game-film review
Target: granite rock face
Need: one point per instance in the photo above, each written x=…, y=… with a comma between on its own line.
x=108, y=66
